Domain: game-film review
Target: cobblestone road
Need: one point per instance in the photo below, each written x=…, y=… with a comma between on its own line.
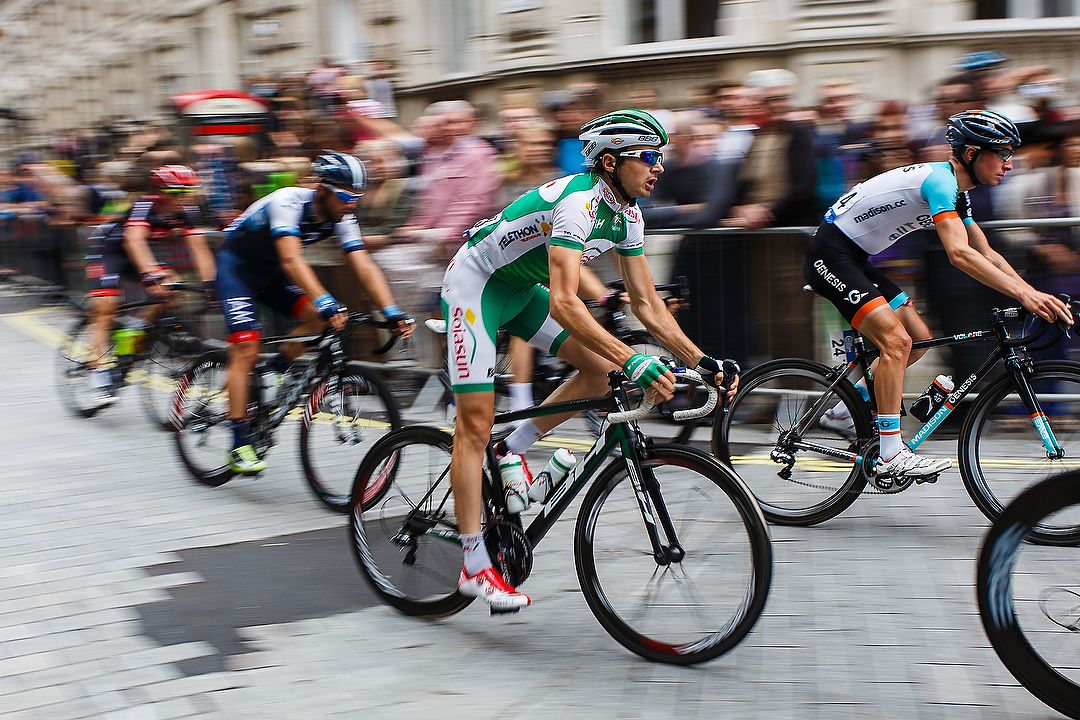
x=129, y=591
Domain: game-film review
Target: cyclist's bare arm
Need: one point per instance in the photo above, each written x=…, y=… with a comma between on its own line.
x=969, y=251
x=138, y=251
x=652, y=311
x=567, y=309
x=590, y=287
x=200, y=253
x=291, y=257
x=374, y=283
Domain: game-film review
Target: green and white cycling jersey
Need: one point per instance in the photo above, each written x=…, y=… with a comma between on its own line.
x=497, y=279
x=577, y=211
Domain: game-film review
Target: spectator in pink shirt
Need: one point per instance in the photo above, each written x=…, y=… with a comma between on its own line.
x=458, y=176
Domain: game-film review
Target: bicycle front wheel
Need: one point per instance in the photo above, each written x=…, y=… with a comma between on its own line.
x=795, y=483
x=1029, y=595
x=1002, y=451
x=344, y=417
x=161, y=362
x=406, y=540
x=702, y=598
x=200, y=413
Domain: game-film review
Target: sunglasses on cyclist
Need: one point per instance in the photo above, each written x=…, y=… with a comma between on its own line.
x=652, y=158
x=344, y=195
x=1005, y=154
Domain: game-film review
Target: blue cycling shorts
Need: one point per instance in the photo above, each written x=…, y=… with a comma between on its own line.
x=239, y=286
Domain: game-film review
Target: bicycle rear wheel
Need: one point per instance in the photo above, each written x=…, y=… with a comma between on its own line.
x=165, y=354
x=794, y=485
x=200, y=412
x=693, y=608
x=344, y=417
x=1029, y=595
x=76, y=355
x=406, y=541
x=1002, y=453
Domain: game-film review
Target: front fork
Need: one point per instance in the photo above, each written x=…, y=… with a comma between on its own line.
x=650, y=501
x=1015, y=367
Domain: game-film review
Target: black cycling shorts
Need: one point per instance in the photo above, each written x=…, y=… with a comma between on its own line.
x=840, y=271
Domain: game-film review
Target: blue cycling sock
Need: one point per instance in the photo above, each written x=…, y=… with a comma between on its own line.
x=239, y=431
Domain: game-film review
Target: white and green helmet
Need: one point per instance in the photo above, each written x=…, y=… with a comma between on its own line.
x=619, y=130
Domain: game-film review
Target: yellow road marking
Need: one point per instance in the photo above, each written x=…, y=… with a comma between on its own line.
x=27, y=323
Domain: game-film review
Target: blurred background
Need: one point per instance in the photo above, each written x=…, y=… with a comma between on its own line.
x=458, y=106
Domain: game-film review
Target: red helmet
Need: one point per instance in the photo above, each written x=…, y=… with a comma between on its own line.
x=174, y=179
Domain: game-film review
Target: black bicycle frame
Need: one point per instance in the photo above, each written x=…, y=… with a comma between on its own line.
x=1014, y=362
x=629, y=440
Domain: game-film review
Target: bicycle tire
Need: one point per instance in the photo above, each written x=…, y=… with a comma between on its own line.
x=343, y=418
x=73, y=371
x=421, y=582
x=199, y=413
x=1001, y=452
x=770, y=397
x=164, y=356
x=727, y=561
x=1018, y=612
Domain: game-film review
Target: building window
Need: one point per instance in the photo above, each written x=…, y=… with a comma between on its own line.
x=658, y=20
x=998, y=9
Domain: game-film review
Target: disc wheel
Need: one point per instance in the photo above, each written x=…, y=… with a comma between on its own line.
x=1029, y=595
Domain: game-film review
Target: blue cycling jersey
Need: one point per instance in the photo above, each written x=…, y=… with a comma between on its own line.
x=288, y=211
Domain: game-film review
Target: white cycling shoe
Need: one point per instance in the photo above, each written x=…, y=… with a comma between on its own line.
x=489, y=586
x=909, y=466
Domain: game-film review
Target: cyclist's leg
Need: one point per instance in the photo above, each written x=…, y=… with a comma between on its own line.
x=474, y=306
x=521, y=365
x=285, y=297
x=243, y=333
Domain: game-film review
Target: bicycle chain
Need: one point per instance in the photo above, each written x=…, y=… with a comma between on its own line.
x=869, y=489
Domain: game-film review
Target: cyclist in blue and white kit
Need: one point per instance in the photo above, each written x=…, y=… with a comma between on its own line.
x=877, y=213
x=261, y=259
x=498, y=280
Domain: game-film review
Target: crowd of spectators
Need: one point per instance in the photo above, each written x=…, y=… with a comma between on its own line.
x=744, y=155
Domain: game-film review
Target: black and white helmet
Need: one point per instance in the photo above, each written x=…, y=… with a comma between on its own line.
x=982, y=129
x=341, y=170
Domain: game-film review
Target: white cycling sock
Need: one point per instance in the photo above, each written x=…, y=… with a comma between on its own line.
x=522, y=438
x=99, y=379
x=476, y=554
x=521, y=397
x=889, y=436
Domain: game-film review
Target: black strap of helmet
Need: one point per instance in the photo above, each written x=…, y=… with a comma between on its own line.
x=615, y=180
x=969, y=165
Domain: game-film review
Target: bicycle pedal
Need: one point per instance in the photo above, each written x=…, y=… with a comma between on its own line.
x=929, y=479
x=509, y=611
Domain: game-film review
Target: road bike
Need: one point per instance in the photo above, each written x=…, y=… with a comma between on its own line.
x=343, y=408
x=1019, y=429
x=1029, y=595
x=672, y=553
x=156, y=354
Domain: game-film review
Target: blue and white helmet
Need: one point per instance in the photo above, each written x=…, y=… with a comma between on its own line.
x=983, y=129
x=341, y=170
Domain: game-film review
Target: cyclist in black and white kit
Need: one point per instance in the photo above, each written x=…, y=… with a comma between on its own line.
x=877, y=213
x=261, y=259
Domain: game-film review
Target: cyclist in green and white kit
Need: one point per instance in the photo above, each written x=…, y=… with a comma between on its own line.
x=498, y=280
